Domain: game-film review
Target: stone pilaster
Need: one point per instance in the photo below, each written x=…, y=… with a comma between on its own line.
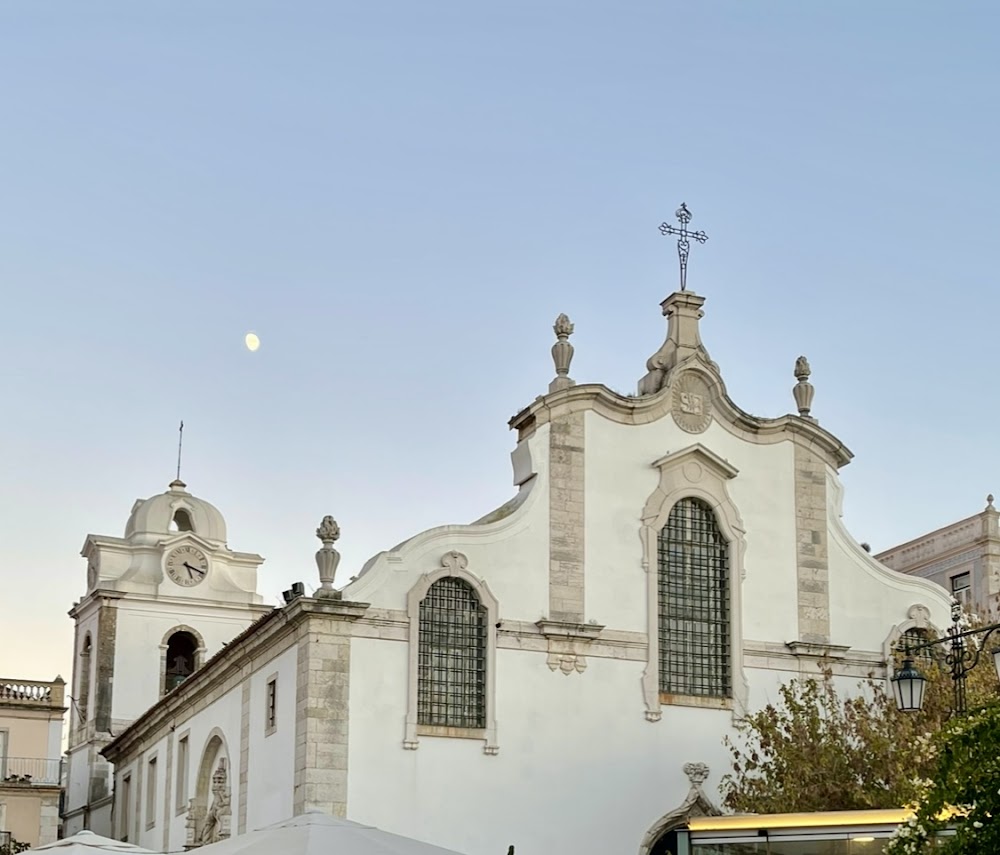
x=48, y=824
x=811, y=547
x=566, y=518
x=107, y=634
x=167, y=794
x=241, y=821
x=322, y=694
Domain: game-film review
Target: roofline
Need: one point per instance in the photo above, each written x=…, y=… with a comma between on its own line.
x=930, y=534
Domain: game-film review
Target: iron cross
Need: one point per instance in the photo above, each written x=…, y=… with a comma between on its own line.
x=683, y=233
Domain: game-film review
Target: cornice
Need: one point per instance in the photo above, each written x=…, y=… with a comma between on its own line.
x=509, y=518
x=229, y=663
x=626, y=410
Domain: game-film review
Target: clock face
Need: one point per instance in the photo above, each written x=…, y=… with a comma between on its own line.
x=187, y=565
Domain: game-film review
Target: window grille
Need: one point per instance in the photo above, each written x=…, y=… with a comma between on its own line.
x=451, y=677
x=913, y=636
x=694, y=628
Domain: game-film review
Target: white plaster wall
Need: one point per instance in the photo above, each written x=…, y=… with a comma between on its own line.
x=77, y=780
x=579, y=770
x=151, y=838
x=512, y=554
x=55, y=733
x=223, y=716
x=271, y=780
x=619, y=478
x=119, y=832
x=142, y=626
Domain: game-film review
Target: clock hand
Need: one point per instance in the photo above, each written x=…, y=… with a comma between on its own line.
x=195, y=569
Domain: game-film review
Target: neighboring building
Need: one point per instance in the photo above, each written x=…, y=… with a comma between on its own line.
x=963, y=558
x=159, y=602
x=545, y=676
x=31, y=723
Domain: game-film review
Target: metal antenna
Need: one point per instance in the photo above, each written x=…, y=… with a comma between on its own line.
x=683, y=233
x=180, y=445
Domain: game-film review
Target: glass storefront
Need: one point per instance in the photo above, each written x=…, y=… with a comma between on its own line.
x=835, y=833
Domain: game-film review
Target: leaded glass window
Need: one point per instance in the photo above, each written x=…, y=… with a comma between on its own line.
x=694, y=617
x=451, y=674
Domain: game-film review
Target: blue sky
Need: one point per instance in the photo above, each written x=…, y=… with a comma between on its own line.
x=400, y=197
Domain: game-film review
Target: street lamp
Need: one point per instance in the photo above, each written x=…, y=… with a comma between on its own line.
x=908, y=683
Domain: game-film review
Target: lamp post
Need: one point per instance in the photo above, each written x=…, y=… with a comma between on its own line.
x=908, y=683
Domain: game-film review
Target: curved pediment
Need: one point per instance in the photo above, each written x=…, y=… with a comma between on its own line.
x=693, y=396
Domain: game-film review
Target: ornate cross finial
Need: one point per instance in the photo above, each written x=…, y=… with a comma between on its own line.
x=683, y=233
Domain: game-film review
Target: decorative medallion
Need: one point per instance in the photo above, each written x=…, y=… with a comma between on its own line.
x=692, y=403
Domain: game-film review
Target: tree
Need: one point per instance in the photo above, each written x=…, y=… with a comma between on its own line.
x=814, y=749
x=13, y=847
x=962, y=791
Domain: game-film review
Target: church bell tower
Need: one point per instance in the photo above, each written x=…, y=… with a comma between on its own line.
x=160, y=601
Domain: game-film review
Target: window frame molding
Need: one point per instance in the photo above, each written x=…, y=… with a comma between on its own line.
x=918, y=616
x=694, y=472
x=453, y=564
x=182, y=772
x=126, y=804
x=270, y=728
x=152, y=773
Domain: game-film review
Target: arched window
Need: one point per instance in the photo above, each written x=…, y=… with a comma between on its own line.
x=181, y=521
x=451, y=675
x=83, y=688
x=693, y=606
x=181, y=649
x=914, y=637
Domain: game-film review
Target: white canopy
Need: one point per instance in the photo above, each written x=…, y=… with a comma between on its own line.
x=315, y=832
x=88, y=843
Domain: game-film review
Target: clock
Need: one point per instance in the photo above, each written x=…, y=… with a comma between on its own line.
x=187, y=565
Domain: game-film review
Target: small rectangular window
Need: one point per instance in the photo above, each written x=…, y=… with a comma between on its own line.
x=271, y=711
x=151, y=793
x=960, y=582
x=182, y=774
x=126, y=807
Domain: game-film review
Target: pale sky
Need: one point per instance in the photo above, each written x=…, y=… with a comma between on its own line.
x=400, y=197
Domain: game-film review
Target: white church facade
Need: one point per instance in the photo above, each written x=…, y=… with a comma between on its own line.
x=558, y=675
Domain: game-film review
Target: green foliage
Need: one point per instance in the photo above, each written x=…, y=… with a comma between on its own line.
x=814, y=750
x=963, y=790
x=14, y=847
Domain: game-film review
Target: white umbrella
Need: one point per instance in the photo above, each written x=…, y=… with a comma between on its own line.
x=315, y=832
x=88, y=843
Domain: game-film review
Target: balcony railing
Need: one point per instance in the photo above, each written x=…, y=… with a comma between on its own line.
x=32, y=692
x=31, y=770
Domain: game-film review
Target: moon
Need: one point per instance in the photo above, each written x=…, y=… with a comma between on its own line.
x=251, y=341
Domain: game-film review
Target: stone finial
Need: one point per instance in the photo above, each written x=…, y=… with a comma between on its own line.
x=697, y=773
x=803, y=391
x=328, y=531
x=562, y=354
x=682, y=310
x=327, y=558
x=989, y=503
